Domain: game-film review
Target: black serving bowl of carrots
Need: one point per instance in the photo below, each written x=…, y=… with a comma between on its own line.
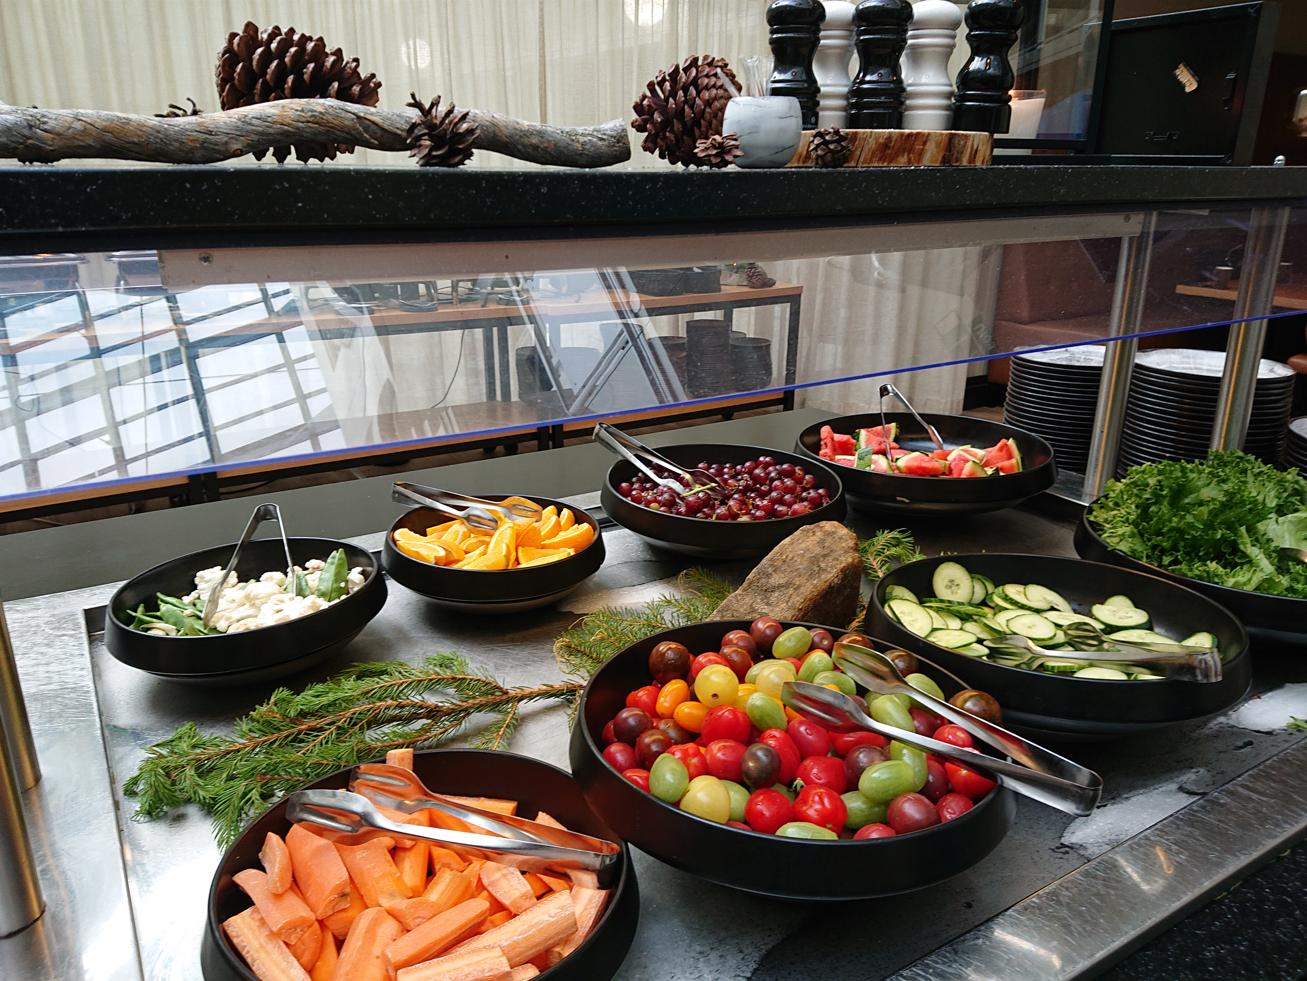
x=506, y=777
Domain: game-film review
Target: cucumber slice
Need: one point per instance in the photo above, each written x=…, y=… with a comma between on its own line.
x=986, y=581
x=1034, y=626
x=952, y=581
x=1121, y=617
x=1201, y=639
x=1102, y=674
x=992, y=625
x=1140, y=637
x=952, y=639
x=1146, y=677
x=978, y=589
x=1057, y=640
x=1062, y=619
x=975, y=650
x=1001, y=602
x=979, y=628
x=1119, y=600
x=913, y=617
x=900, y=592
x=1062, y=667
x=950, y=621
x=1045, y=598
x=937, y=621
x=1004, y=617
x=1022, y=595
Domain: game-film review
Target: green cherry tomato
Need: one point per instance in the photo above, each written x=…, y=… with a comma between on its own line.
x=889, y=710
x=814, y=664
x=794, y=642
x=739, y=797
x=784, y=789
x=668, y=778
x=880, y=783
x=861, y=811
x=773, y=675
x=716, y=685
x=706, y=797
x=914, y=757
x=837, y=678
x=764, y=711
x=751, y=676
x=927, y=684
x=805, y=829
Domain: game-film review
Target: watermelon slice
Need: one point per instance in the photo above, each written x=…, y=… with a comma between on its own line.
x=966, y=452
x=880, y=463
x=920, y=465
x=827, y=451
x=873, y=439
x=972, y=469
x=1007, y=466
x=846, y=460
x=1004, y=451
x=845, y=445
x=940, y=454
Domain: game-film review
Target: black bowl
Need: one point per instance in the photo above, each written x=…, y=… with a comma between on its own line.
x=255, y=655
x=902, y=495
x=1278, y=619
x=1066, y=706
x=788, y=868
x=708, y=539
x=503, y=591
x=536, y=785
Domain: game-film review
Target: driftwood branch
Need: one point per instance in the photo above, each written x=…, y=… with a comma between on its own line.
x=47, y=135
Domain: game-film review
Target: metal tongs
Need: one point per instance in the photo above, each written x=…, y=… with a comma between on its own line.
x=1038, y=773
x=262, y=513
x=1173, y=661
x=476, y=512
x=644, y=459
x=931, y=431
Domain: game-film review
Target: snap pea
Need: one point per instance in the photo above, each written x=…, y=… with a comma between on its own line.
x=331, y=580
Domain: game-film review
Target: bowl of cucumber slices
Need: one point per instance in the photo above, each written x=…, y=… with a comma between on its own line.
x=1027, y=628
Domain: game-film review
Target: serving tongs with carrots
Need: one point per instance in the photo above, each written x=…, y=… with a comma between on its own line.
x=476, y=512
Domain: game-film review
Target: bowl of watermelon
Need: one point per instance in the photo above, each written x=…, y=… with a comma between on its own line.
x=986, y=466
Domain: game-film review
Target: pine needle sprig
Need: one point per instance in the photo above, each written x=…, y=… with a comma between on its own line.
x=886, y=550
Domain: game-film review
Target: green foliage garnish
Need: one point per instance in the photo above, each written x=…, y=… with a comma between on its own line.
x=1221, y=520
x=1296, y=724
x=885, y=551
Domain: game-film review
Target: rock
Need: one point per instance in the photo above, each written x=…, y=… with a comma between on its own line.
x=815, y=576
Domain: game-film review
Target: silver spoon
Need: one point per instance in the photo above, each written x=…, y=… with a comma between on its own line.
x=262, y=513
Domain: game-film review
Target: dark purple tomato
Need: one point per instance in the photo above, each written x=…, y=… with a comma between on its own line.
x=669, y=661
x=822, y=640
x=978, y=703
x=937, y=784
x=764, y=632
x=629, y=723
x=607, y=734
x=905, y=661
x=857, y=639
x=859, y=758
x=737, y=659
x=760, y=766
x=650, y=745
x=910, y=812
x=924, y=722
x=741, y=638
x=678, y=733
x=620, y=756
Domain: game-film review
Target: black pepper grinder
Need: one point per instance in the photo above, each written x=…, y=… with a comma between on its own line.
x=794, y=27
x=983, y=101
x=880, y=33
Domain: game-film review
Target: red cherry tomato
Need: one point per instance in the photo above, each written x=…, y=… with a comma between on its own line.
x=824, y=771
x=780, y=741
x=644, y=698
x=692, y=756
x=737, y=824
x=796, y=662
x=955, y=735
x=874, y=831
x=936, y=780
x=910, y=812
x=638, y=777
x=952, y=806
x=846, y=742
x=767, y=809
x=620, y=756
x=823, y=807
x=725, y=722
x=810, y=738
x=968, y=782
x=702, y=661
x=607, y=735
x=924, y=722
x=722, y=757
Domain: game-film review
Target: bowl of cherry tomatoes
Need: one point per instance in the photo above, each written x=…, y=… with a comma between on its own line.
x=684, y=748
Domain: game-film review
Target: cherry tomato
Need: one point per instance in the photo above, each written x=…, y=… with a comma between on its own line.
x=741, y=638
x=764, y=632
x=823, y=771
x=717, y=685
x=837, y=680
x=723, y=757
x=707, y=797
x=678, y=732
x=955, y=735
x=859, y=758
x=822, y=640
x=764, y=711
x=952, y=806
x=925, y=683
x=690, y=715
x=607, y=736
x=890, y=711
x=629, y=723
x=671, y=695
x=880, y=783
x=638, y=777
x=792, y=643
x=910, y=812
x=691, y=756
x=905, y=661
x=620, y=756
x=668, y=779
x=978, y=703
x=645, y=698
x=823, y=807
x=936, y=780
x=745, y=691
x=725, y=722
x=703, y=661
x=772, y=675
x=760, y=766
x=780, y=741
x=814, y=663
x=737, y=824
x=857, y=640
x=737, y=659
x=669, y=660
x=874, y=831
x=795, y=662
x=845, y=741
x=861, y=811
x=650, y=745
x=916, y=758
x=924, y=722
x=810, y=738
x=739, y=797
x=767, y=810
x=968, y=782
x=805, y=829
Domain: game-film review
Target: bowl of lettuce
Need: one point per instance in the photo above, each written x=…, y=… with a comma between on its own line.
x=1230, y=526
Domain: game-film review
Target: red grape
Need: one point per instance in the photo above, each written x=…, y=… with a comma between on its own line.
x=760, y=490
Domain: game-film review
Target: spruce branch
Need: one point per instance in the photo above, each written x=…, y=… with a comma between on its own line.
x=885, y=551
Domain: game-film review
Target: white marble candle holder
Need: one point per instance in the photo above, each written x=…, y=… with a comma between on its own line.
x=769, y=128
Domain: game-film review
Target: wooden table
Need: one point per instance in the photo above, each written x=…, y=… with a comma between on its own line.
x=1290, y=296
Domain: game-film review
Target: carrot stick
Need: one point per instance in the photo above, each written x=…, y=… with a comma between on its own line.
x=524, y=972
x=472, y=965
x=588, y=905
x=275, y=858
x=438, y=934
x=402, y=758
x=496, y=804
x=494, y=920
x=308, y=947
x=538, y=885
x=412, y=865
x=318, y=871
x=373, y=872
x=553, y=882
x=509, y=886
x=583, y=877
x=543, y=817
x=363, y=956
x=445, y=858
x=495, y=905
x=325, y=968
x=267, y=957
x=546, y=924
x=287, y=915
x=403, y=817
x=340, y=921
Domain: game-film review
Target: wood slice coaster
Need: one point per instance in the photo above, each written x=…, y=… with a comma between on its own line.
x=908, y=148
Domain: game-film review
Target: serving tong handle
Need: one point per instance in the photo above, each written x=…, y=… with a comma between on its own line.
x=1173, y=661
x=844, y=713
x=931, y=431
x=476, y=512
x=347, y=818
x=642, y=458
x=262, y=513
x=401, y=790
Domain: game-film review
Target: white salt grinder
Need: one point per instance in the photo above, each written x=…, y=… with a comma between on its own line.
x=931, y=40
x=831, y=64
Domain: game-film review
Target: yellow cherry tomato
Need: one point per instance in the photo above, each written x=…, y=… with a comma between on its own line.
x=773, y=675
x=690, y=715
x=743, y=694
x=716, y=685
x=671, y=695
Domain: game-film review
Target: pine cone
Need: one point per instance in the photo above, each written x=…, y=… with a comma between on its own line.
x=830, y=147
x=718, y=151
x=262, y=66
x=440, y=139
x=175, y=111
x=755, y=277
x=682, y=106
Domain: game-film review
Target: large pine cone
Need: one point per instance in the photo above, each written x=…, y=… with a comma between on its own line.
x=682, y=106
x=440, y=139
x=262, y=66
